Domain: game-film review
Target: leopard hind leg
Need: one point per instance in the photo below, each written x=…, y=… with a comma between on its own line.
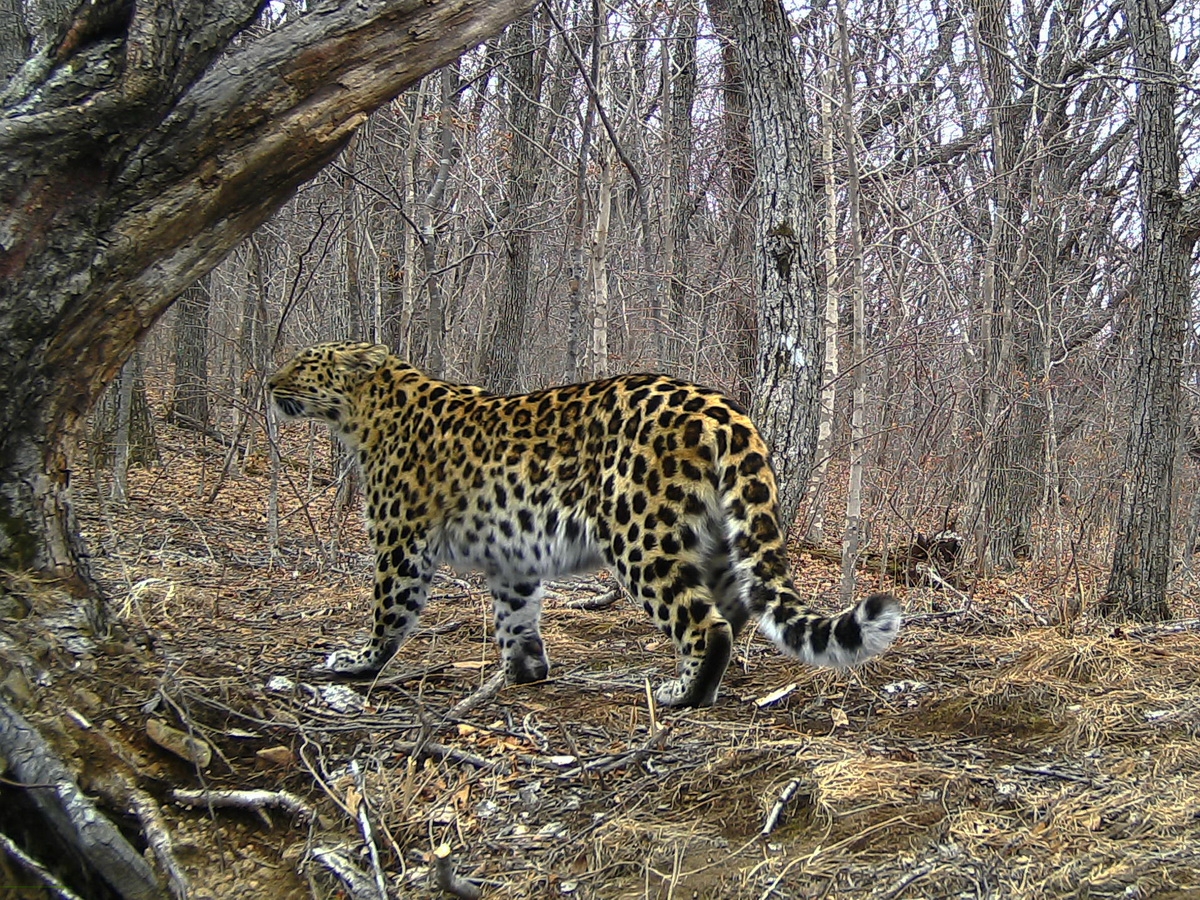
x=726, y=583
x=676, y=587
x=517, y=607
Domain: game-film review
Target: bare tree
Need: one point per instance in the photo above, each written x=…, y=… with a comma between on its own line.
x=739, y=155
x=189, y=404
x=1141, y=561
x=140, y=145
x=502, y=364
x=790, y=338
x=852, y=540
x=679, y=96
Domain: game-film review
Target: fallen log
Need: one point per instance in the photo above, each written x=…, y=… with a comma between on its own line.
x=69, y=813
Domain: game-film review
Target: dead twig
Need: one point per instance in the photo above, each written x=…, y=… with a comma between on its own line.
x=600, y=601
x=902, y=883
x=917, y=618
x=448, y=880
x=785, y=796
x=1028, y=607
x=484, y=693
x=364, y=825
x=239, y=799
x=653, y=718
x=36, y=869
x=158, y=836
x=441, y=751
x=1176, y=627
x=1060, y=774
x=358, y=886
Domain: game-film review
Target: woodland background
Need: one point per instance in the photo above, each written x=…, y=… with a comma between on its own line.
x=572, y=200
x=577, y=197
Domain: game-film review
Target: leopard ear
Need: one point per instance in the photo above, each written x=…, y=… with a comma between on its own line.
x=368, y=358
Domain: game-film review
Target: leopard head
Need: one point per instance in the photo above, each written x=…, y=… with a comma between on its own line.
x=320, y=382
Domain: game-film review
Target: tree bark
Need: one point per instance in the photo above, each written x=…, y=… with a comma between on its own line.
x=138, y=147
x=679, y=93
x=735, y=129
x=189, y=407
x=790, y=312
x=502, y=365
x=75, y=820
x=358, y=327
x=818, y=493
x=577, y=262
x=852, y=539
x=432, y=225
x=598, y=267
x=1141, y=559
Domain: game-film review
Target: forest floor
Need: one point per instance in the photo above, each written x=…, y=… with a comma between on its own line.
x=987, y=755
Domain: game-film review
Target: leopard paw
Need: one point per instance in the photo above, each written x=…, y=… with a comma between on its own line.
x=354, y=663
x=524, y=669
x=684, y=692
x=671, y=693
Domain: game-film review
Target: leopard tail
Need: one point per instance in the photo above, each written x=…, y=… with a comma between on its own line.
x=749, y=497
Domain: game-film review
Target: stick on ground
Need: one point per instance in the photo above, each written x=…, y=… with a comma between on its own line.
x=36, y=869
x=785, y=796
x=448, y=881
x=484, y=693
x=358, y=885
x=256, y=800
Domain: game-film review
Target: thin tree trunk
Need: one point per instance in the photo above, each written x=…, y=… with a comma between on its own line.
x=852, y=540
x=502, y=364
x=599, y=269
x=189, y=407
x=577, y=261
x=351, y=239
x=431, y=225
x=817, y=490
x=120, y=485
x=398, y=316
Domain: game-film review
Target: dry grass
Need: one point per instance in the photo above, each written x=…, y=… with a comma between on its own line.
x=979, y=758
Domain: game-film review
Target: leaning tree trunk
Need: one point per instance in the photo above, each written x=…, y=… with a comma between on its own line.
x=1141, y=560
x=137, y=146
x=791, y=349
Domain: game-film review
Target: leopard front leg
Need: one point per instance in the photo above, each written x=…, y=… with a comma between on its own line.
x=402, y=578
x=518, y=612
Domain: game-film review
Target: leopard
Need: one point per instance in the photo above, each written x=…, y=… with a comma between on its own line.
x=666, y=484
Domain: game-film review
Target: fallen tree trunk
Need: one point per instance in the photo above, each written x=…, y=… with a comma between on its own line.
x=69, y=814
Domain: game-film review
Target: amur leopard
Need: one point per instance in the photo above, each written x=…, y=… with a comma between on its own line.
x=665, y=483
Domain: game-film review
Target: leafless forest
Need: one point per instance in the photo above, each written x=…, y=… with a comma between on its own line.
x=574, y=199
x=1004, y=314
